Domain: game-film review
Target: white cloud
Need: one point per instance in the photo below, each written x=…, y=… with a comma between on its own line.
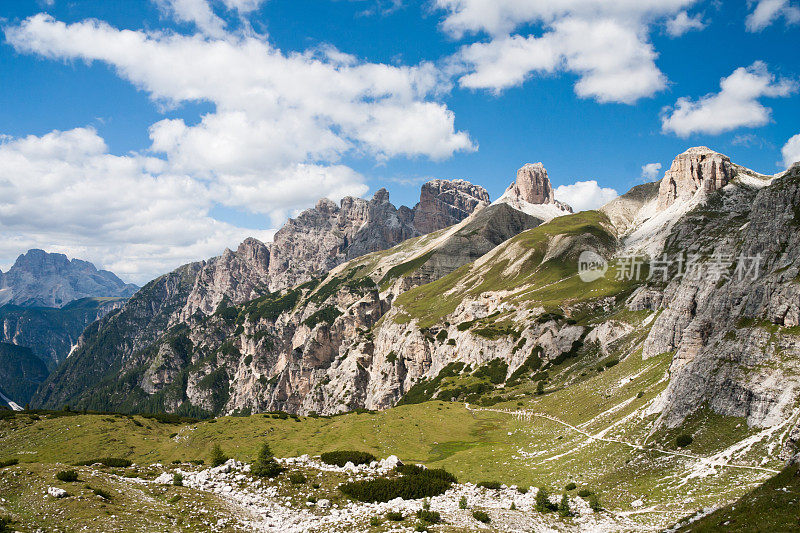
x=767, y=12
x=791, y=151
x=736, y=105
x=310, y=106
x=650, y=171
x=682, y=24
x=498, y=17
x=243, y=6
x=605, y=43
x=64, y=192
x=585, y=195
x=274, y=143
x=197, y=12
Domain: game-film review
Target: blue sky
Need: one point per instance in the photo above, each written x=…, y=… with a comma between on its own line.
x=141, y=135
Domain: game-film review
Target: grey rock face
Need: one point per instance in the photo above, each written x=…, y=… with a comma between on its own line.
x=276, y=358
x=533, y=185
x=734, y=345
x=443, y=203
x=533, y=188
x=232, y=278
x=697, y=169
x=326, y=236
x=41, y=279
x=310, y=245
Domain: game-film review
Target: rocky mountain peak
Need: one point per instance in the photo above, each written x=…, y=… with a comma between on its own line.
x=42, y=279
x=532, y=185
x=381, y=196
x=533, y=193
x=696, y=169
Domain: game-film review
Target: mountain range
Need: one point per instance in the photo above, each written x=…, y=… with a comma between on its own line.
x=646, y=350
x=247, y=333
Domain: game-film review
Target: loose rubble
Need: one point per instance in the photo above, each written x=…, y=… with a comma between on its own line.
x=266, y=511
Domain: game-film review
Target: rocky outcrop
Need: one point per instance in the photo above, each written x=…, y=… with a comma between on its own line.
x=697, y=169
x=326, y=236
x=232, y=278
x=533, y=185
x=443, y=203
x=317, y=241
x=41, y=279
x=533, y=193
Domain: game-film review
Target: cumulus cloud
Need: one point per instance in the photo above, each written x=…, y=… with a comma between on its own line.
x=585, y=195
x=64, y=192
x=650, y=171
x=791, y=151
x=605, y=43
x=767, y=12
x=682, y=23
x=737, y=104
x=274, y=143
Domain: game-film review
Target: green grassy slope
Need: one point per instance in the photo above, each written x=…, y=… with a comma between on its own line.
x=773, y=507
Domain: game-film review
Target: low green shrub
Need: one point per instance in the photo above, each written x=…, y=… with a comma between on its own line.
x=495, y=485
x=584, y=493
x=297, y=478
x=594, y=503
x=9, y=462
x=395, y=516
x=100, y=492
x=563, y=507
x=177, y=479
x=341, y=458
x=481, y=516
x=5, y=524
x=462, y=503
x=683, y=440
x=570, y=486
x=67, y=476
x=413, y=483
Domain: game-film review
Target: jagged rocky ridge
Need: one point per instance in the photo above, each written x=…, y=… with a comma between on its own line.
x=319, y=239
x=390, y=324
